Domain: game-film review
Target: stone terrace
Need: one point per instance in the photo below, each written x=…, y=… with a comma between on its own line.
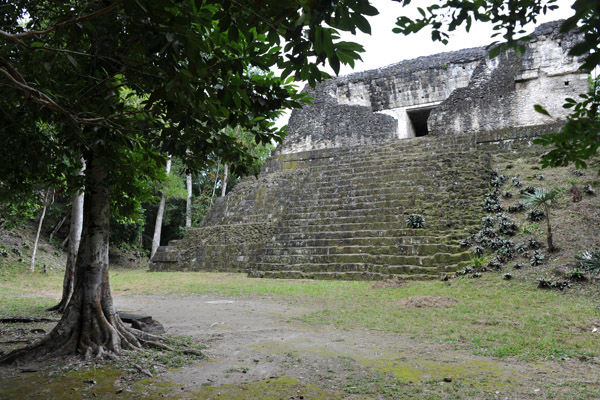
x=340, y=213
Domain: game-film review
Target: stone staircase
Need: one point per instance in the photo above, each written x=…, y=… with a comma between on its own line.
x=349, y=221
x=340, y=214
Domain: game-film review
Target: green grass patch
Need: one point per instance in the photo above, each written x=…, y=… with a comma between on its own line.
x=489, y=316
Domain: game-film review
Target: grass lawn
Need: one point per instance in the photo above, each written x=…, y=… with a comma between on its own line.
x=489, y=315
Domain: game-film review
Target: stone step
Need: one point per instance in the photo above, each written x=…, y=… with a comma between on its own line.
x=290, y=241
x=368, y=221
x=341, y=164
x=365, y=234
x=409, y=178
x=422, y=249
x=398, y=201
x=331, y=165
x=347, y=276
x=332, y=209
x=379, y=259
x=369, y=226
x=356, y=268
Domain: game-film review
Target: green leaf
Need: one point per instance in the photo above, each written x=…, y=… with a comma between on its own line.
x=72, y=60
x=362, y=23
x=541, y=110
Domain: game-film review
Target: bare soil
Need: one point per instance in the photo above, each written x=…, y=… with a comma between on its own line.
x=258, y=348
x=255, y=339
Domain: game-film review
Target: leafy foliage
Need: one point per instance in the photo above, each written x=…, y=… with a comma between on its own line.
x=590, y=261
x=415, y=221
x=535, y=215
x=537, y=258
x=128, y=82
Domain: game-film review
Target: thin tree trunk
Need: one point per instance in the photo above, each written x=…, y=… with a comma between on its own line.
x=212, y=197
x=57, y=227
x=90, y=325
x=225, y=179
x=74, y=237
x=549, y=237
x=159, y=217
x=39, y=230
x=188, y=203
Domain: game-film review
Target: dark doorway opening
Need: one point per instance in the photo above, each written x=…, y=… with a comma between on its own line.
x=418, y=119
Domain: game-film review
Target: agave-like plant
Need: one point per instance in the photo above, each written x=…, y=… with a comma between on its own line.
x=544, y=199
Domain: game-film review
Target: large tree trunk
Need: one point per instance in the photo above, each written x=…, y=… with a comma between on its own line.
x=90, y=324
x=74, y=240
x=188, y=203
x=159, y=217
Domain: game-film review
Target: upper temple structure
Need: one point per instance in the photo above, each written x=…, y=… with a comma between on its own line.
x=444, y=94
x=417, y=137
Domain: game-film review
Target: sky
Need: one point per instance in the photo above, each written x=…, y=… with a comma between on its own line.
x=383, y=47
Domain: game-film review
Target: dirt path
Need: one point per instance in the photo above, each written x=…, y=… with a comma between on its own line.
x=257, y=346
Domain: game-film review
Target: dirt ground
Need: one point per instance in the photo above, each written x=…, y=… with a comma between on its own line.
x=259, y=349
x=254, y=339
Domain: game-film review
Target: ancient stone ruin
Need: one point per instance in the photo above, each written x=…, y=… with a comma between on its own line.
x=416, y=137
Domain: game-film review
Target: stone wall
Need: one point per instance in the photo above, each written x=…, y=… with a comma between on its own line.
x=503, y=91
x=448, y=93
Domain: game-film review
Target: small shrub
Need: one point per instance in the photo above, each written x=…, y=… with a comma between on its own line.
x=464, y=271
x=507, y=277
x=487, y=222
x=535, y=215
x=534, y=244
x=467, y=242
x=515, y=208
x=478, y=251
x=496, y=180
x=577, y=172
x=576, y=274
x=589, y=190
x=508, y=228
x=507, y=195
x=516, y=182
x=528, y=189
x=495, y=264
x=590, y=261
x=544, y=283
x=507, y=249
x=415, y=221
x=537, y=258
x=490, y=203
x=521, y=248
x=518, y=266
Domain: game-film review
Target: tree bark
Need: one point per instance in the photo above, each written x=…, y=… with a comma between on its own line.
x=212, y=197
x=225, y=180
x=90, y=324
x=159, y=217
x=57, y=227
x=76, y=227
x=549, y=237
x=188, y=203
x=39, y=230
